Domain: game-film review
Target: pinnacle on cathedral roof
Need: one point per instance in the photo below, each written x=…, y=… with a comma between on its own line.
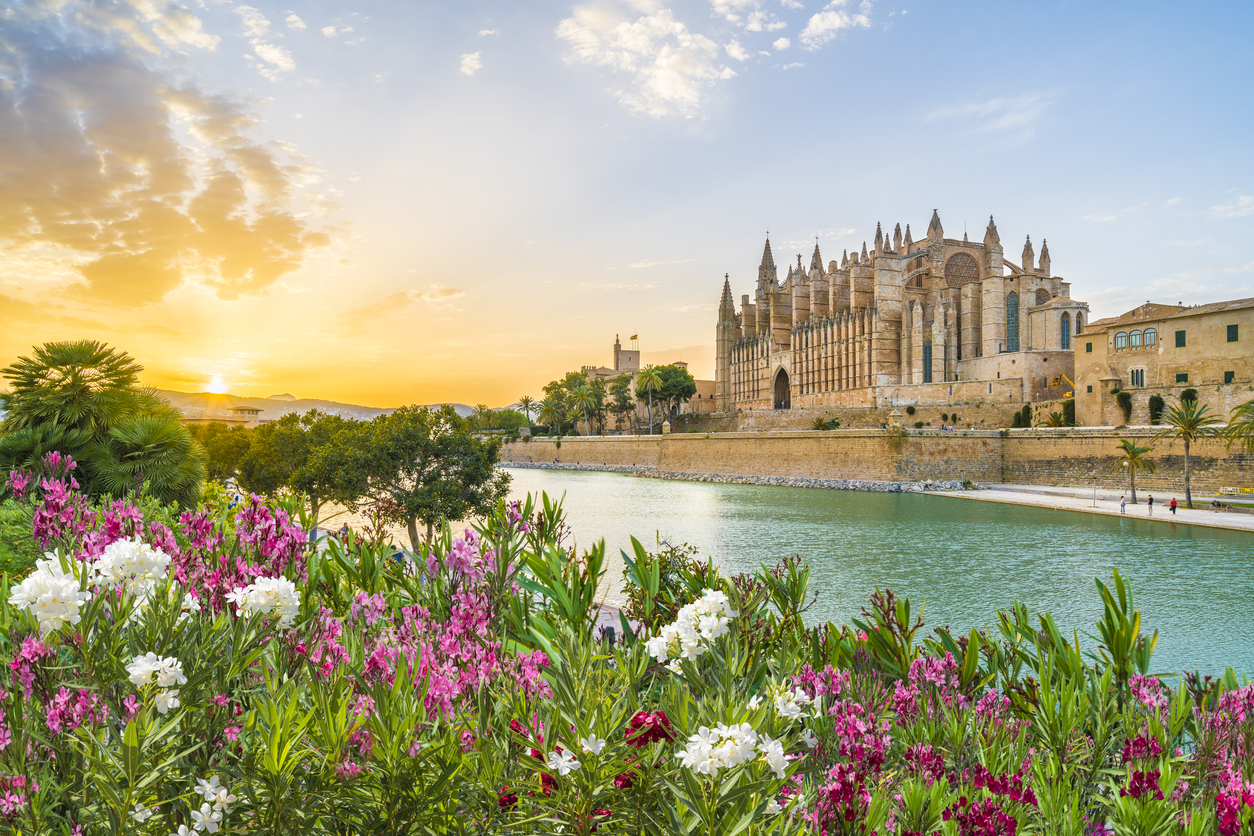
x=816, y=260
x=844, y=259
x=768, y=260
x=879, y=238
x=909, y=240
x=935, y=226
x=864, y=255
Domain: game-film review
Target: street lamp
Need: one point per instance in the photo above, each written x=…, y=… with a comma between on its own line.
x=1125, y=476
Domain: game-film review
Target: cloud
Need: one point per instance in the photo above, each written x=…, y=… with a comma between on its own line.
x=256, y=25
x=1172, y=201
x=1239, y=208
x=329, y=31
x=668, y=68
x=1016, y=113
x=367, y=317
x=782, y=43
x=139, y=181
x=642, y=264
x=470, y=63
x=175, y=25
x=796, y=65
x=1107, y=217
x=274, y=59
x=828, y=23
x=293, y=21
x=735, y=50
x=483, y=32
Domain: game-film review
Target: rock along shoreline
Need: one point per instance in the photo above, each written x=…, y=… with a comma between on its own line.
x=923, y=486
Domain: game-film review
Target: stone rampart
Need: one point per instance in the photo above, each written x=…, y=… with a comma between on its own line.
x=1071, y=456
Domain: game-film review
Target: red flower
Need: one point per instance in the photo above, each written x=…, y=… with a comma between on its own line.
x=649, y=727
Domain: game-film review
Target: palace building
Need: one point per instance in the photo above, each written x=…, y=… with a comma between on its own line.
x=926, y=322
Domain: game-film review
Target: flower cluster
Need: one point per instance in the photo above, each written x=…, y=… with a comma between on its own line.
x=649, y=727
x=166, y=672
x=51, y=594
x=132, y=564
x=981, y=818
x=697, y=624
x=216, y=804
x=276, y=597
x=724, y=747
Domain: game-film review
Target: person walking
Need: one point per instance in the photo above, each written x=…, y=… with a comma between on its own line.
x=1151, y=505
x=1173, y=506
x=1123, y=505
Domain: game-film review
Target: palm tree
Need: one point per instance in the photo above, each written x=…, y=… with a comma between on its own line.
x=525, y=403
x=154, y=449
x=649, y=380
x=584, y=398
x=550, y=415
x=1189, y=422
x=75, y=385
x=1132, y=456
x=1240, y=429
x=483, y=415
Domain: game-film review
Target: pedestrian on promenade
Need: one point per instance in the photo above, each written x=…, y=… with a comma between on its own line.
x=1123, y=505
x=1151, y=505
x=1173, y=506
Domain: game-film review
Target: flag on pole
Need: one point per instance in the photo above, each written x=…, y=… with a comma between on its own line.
x=635, y=337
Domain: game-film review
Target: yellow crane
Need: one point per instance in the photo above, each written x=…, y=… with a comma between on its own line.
x=1058, y=380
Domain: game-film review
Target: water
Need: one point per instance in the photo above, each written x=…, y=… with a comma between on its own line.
x=966, y=559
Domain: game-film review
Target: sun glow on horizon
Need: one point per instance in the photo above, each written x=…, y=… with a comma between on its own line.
x=217, y=386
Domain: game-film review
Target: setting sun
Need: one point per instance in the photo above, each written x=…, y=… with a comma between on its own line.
x=217, y=385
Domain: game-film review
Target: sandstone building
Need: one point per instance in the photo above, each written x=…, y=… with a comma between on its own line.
x=627, y=361
x=1163, y=350
x=929, y=322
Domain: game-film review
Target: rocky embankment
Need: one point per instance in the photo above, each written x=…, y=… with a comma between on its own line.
x=783, y=481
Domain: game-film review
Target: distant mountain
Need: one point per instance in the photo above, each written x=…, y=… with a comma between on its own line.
x=206, y=406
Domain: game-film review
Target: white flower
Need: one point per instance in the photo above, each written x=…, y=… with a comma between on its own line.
x=167, y=670
x=696, y=625
x=772, y=806
x=592, y=744
x=808, y=738
x=267, y=596
x=141, y=813
x=224, y=800
x=562, y=762
x=182, y=831
x=206, y=818
x=754, y=702
x=166, y=701
x=710, y=750
x=209, y=789
x=52, y=595
x=132, y=564
x=773, y=755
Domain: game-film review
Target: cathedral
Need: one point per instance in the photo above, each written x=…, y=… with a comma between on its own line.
x=925, y=322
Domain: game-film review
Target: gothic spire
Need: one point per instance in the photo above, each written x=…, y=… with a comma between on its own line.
x=864, y=255
x=1044, y=257
x=1029, y=257
x=879, y=238
x=908, y=240
x=844, y=259
x=766, y=270
x=934, y=229
x=897, y=239
x=816, y=261
x=991, y=239
x=726, y=306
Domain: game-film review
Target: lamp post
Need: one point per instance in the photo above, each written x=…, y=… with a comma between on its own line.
x=1125, y=477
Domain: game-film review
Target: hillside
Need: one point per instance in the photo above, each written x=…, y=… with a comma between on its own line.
x=208, y=406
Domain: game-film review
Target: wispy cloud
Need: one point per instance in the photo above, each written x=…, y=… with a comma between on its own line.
x=368, y=316
x=483, y=32
x=668, y=68
x=293, y=21
x=749, y=14
x=781, y=43
x=735, y=50
x=269, y=59
x=1240, y=207
x=832, y=20
x=643, y=264
x=470, y=63
x=1010, y=114
x=1108, y=217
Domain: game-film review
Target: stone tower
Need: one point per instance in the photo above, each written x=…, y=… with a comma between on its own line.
x=729, y=333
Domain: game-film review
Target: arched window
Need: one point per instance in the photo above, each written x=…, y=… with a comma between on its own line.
x=1012, y=322
x=1079, y=322
x=1134, y=339
x=927, y=362
x=1121, y=339
x=1151, y=337
x=1066, y=332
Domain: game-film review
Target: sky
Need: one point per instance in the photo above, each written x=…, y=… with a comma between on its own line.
x=413, y=202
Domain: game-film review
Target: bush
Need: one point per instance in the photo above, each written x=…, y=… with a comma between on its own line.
x=1188, y=395
x=918, y=425
x=1068, y=412
x=1156, y=407
x=910, y=410
x=1124, y=399
x=196, y=672
x=1017, y=421
x=1026, y=414
x=954, y=418
x=944, y=416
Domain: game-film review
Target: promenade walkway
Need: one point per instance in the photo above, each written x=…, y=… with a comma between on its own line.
x=1082, y=500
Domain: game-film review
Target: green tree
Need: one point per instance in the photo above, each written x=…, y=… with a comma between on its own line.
x=81, y=399
x=1240, y=429
x=524, y=405
x=583, y=399
x=426, y=463
x=1133, y=455
x=551, y=414
x=1189, y=422
x=483, y=417
x=647, y=382
x=678, y=387
x=322, y=457
x=622, y=403
x=225, y=446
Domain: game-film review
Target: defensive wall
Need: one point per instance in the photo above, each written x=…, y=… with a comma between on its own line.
x=1066, y=456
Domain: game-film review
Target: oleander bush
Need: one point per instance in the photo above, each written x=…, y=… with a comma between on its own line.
x=207, y=672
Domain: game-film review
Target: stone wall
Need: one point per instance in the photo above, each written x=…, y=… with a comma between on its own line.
x=1073, y=456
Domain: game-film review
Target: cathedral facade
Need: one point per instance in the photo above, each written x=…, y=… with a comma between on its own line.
x=924, y=322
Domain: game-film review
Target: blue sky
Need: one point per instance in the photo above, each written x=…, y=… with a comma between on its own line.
x=396, y=202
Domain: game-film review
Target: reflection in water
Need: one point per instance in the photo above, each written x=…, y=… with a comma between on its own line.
x=967, y=558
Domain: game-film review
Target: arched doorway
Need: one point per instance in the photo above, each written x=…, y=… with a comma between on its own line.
x=783, y=399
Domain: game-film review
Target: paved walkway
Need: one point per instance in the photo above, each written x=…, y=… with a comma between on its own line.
x=1081, y=499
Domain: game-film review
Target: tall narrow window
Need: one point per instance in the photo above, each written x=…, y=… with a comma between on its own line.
x=1233, y=334
x=927, y=362
x=1151, y=337
x=1012, y=321
x=1066, y=332
x=1134, y=339
x=1121, y=339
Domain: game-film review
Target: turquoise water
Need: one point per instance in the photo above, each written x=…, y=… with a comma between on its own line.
x=967, y=559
